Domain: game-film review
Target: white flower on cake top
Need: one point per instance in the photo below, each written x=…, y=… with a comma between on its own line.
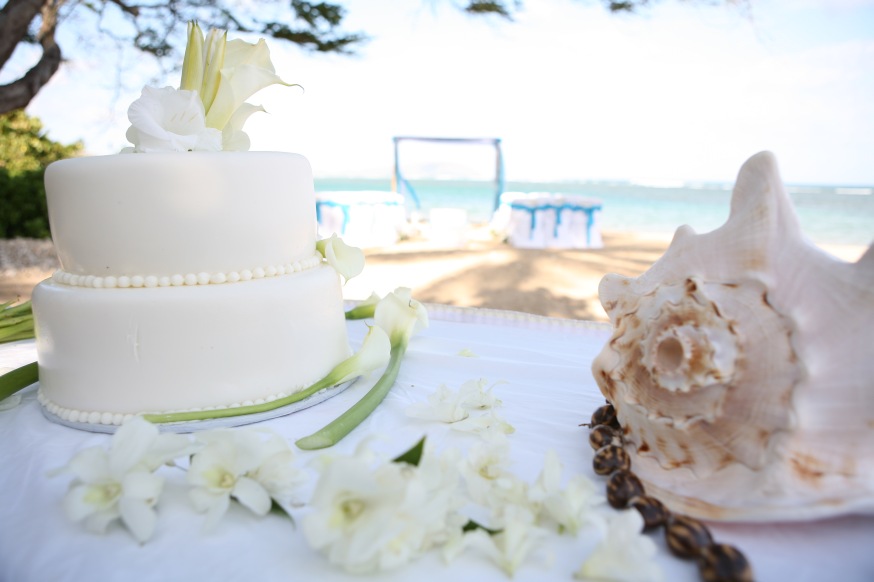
x=209, y=109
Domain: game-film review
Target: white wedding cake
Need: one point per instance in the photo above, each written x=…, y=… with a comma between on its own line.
x=188, y=281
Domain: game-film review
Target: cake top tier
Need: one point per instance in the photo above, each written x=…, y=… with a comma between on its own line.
x=176, y=214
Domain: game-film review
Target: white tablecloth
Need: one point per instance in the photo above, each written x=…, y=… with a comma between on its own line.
x=548, y=392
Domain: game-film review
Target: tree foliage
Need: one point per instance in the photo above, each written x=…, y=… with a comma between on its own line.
x=156, y=27
x=25, y=151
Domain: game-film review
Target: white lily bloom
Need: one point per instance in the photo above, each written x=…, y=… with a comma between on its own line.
x=373, y=355
x=624, y=555
x=243, y=465
x=578, y=504
x=400, y=315
x=246, y=70
x=119, y=483
x=346, y=259
x=207, y=113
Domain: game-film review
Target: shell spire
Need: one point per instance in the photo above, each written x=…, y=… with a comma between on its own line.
x=741, y=366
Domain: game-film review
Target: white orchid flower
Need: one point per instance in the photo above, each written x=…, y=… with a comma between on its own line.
x=170, y=119
x=243, y=465
x=624, y=555
x=346, y=259
x=120, y=483
x=400, y=316
x=370, y=517
x=489, y=426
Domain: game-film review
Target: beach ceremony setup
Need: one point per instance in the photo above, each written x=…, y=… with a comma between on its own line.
x=309, y=322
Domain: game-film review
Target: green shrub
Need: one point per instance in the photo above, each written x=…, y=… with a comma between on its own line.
x=25, y=151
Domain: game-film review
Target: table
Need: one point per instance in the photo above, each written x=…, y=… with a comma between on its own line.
x=548, y=392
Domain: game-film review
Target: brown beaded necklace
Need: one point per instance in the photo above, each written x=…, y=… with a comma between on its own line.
x=686, y=537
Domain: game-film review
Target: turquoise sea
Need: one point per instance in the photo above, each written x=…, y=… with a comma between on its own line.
x=828, y=214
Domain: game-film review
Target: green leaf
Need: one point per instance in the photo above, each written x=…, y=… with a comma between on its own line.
x=277, y=509
x=471, y=525
x=17, y=379
x=413, y=455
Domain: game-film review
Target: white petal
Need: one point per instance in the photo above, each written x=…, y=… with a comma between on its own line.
x=130, y=443
x=90, y=465
x=75, y=505
x=139, y=517
x=142, y=485
x=251, y=494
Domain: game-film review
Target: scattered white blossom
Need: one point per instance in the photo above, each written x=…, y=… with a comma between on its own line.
x=120, y=483
x=454, y=407
x=467, y=353
x=490, y=425
x=369, y=517
x=580, y=503
x=251, y=466
x=624, y=555
x=518, y=538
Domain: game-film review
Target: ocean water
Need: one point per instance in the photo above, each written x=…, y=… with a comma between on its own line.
x=828, y=214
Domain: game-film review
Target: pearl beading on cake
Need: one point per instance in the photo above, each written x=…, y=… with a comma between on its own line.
x=179, y=280
x=117, y=418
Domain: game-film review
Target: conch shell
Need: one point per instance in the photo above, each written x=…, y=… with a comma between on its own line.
x=741, y=366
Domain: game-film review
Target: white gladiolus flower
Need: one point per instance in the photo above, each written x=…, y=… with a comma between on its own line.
x=346, y=259
x=488, y=426
x=170, y=120
x=519, y=537
x=624, y=555
x=447, y=405
x=120, y=483
x=442, y=406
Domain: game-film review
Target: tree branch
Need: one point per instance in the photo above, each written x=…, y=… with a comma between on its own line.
x=15, y=19
x=18, y=94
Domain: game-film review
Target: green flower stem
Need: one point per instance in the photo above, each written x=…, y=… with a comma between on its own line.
x=17, y=379
x=343, y=425
x=16, y=323
x=326, y=382
x=361, y=311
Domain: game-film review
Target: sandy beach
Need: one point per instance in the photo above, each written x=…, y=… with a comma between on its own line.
x=481, y=272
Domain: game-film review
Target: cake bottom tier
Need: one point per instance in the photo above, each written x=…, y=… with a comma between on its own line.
x=107, y=353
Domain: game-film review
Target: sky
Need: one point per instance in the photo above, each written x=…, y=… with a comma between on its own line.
x=678, y=93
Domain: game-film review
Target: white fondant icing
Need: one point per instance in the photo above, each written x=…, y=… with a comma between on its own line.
x=176, y=348
x=140, y=318
x=180, y=213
